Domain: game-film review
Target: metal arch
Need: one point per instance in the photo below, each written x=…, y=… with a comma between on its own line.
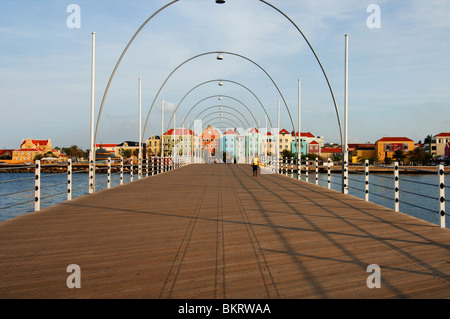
x=224, y=117
x=208, y=53
x=217, y=80
x=215, y=123
x=174, y=1
x=226, y=106
x=318, y=61
x=227, y=96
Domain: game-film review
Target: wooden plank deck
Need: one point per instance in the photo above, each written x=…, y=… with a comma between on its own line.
x=214, y=231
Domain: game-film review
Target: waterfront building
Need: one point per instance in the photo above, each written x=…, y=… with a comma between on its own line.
x=385, y=147
x=154, y=145
x=229, y=141
x=129, y=145
x=284, y=141
x=30, y=148
x=210, y=141
x=308, y=143
x=108, y=147
x=438, y=144
x=360, y=152
x=252, y=143
x=178, y=142
x=331, y=152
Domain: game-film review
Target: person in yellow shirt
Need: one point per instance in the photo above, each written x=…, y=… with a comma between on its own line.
x=255, y=165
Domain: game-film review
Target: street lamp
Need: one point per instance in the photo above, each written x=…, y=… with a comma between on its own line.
x=220, y=83
x=220, y=56
x=220, y=1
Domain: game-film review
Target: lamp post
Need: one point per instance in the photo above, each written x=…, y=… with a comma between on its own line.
x=345, y=146
x=299, y=153
x=140, y=136
x=92, y=151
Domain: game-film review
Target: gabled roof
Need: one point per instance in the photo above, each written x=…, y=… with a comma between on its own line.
x=36, y=142
x=442, y=135
x=395, y=139
x=106, y=145
x=314, y=142
x=307, y=134
x=283, y=131
x=332, y=150
x=253, y=130
x=230, y=131
x=179, y=131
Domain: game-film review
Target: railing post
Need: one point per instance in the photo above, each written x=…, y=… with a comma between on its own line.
x=306, y=170
x=69, y=179
x=139, y=168
x=91, y=176
x=153, y=165
x=37, y=186
x=345, y=186
x=146, y=166
x=396, y=187
x=108, y=181
x=292, y=167
x=121, y=171
x=329, y=173
x=366, y=174
x=131, y=170
x=441, y=194
x=317, y=171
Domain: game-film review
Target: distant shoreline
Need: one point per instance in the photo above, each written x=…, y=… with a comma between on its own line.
x=60, y=168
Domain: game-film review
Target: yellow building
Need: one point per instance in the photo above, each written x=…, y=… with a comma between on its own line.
x=386, y=147
x=361, y=152
x=154, y=145
x=30, y=148
x=284, y=140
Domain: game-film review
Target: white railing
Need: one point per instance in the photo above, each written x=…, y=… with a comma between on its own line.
x=149, y=167
x=285, y=166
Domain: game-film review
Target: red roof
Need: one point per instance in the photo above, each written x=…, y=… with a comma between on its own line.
x=313, y=142
x=283, y=131
x=179, y=131
x=253, y=130
x=29, y=150
x=36, y=142
x=230, y=131
x=442, y=134
x=106, y=145
x=308, y=134
x=394, y=139
x=268, y=133
x=331, y=150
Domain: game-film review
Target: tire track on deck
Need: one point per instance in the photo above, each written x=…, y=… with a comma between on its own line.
x=264, y=270
x=219, y=281
x=172, y=275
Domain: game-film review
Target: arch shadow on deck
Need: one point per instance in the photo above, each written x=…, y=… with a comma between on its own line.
x=214, y=231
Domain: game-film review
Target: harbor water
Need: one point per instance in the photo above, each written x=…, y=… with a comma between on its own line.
x=419, y=194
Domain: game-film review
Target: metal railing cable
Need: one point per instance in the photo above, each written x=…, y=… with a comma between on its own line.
x=380, y=190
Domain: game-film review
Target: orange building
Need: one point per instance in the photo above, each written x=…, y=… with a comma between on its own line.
x=386, y=146
x=210, y=141
x=30, y=148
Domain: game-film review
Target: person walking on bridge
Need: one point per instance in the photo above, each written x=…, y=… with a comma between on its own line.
x=255, y=165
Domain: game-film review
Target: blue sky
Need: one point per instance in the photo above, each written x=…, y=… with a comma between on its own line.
x=399, y=74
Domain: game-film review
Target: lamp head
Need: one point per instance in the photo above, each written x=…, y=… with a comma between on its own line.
x=220, y=56
x=220, y=1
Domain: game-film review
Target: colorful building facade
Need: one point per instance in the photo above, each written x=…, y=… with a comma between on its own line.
x=387, y=146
